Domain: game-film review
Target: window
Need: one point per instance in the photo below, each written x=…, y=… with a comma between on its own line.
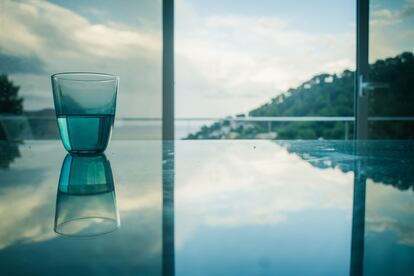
x=40, y=38
x=243, y=71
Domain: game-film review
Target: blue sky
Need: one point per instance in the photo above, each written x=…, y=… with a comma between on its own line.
x=232, y=57
x=134, y=13
x=228, y=58
x=310, y=16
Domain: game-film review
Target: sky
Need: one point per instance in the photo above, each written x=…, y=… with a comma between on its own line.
x=228, y=58
x=242, y=56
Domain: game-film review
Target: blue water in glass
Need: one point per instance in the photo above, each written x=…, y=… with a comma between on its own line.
x=88, y=133
x=85, y=106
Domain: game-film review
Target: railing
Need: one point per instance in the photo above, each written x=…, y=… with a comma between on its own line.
x=44, y=127
x=270, y=120
x=347, y=120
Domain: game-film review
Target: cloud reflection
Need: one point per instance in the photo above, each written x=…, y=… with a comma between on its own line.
x=391, y=19
x=28, y=191
x=227, y=186
x=390, y=210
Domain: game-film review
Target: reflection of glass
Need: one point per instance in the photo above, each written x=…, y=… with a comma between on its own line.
x=85, y=109
x=86, y=201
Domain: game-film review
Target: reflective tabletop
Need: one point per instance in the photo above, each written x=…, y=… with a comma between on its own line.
x=208, y=208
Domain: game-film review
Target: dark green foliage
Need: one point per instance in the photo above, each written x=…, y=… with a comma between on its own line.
x=10, y=102
x=316, y=97
x=333, y=95
x=397, y=100
x=389, y=162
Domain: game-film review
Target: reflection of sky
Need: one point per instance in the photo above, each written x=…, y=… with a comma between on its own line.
x=389, y=209
x=27, y=210
x=249, y=215
x=389, y=237
x=391, y=19
x=247, y=208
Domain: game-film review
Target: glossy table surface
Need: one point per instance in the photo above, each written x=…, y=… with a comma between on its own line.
x=211, y=208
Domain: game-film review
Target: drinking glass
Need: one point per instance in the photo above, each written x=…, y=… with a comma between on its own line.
x=85, y=106
x=86, y=199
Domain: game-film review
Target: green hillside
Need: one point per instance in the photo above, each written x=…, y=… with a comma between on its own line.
x=330, y=95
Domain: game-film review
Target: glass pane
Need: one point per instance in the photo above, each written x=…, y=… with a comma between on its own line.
x=42, y=191
x=389, y=228
x=391, y=97
x=262, y=208
x=243, y=70
x=40, y=38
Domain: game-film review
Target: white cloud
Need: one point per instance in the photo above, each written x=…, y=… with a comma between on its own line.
x=386, y=16
x=228, y=62
x=382, y=13
x=390, y=210
x=19, y=222
x=44, y=29
x=28, y=199
x=396, y=23
x=225, y=64
x=232, y=57
x=228, y=186
x=65, y=41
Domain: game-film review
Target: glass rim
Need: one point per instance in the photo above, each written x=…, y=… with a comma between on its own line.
x=66, y=76
x=114, y=221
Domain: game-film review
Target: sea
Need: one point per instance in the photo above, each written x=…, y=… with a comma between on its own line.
x=151, y=129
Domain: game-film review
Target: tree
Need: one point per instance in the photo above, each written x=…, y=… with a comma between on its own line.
x=333, y=95
x=10, y=102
